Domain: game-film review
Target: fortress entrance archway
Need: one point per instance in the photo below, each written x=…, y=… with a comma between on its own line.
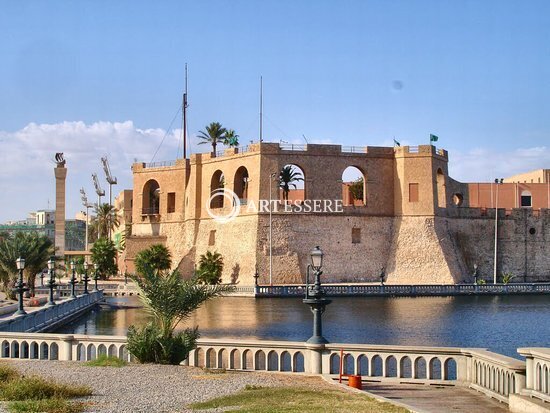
x=151, y=198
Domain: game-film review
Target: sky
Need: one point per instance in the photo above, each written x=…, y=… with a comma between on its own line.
x=96, y=78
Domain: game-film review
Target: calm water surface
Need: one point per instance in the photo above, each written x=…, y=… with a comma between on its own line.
x=499, y=323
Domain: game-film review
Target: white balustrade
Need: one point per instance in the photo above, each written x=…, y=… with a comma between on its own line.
x=493, y=374
x=538, y=373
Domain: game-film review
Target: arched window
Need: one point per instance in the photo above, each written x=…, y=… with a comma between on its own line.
x=440, y=193
x=526, y=199
x=217, y=182
x=240, y=184
x=354, y=187
x=292, y=184
x=151, y=198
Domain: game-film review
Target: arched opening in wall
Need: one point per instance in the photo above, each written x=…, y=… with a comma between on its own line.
x=292, y=186
x=354, y=187
x=440, y=193
x=151, y=198
x=216, y=183
x=526, y=199
x=458, y=199
x=240, y=184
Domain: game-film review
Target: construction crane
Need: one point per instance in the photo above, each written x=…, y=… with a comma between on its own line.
x=86, y=205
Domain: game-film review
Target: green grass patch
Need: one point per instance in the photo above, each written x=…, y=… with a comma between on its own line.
x=54, y=405
x=107, y=361
x=257, y=399
x=36, y=388
x=8, y=373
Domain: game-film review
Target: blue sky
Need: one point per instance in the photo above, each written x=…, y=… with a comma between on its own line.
x=91, y=78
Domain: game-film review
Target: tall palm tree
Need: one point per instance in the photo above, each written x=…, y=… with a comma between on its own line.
x=231, y=139
x=215, y=133
x=34, y=248
x=105, y=219
x=287, y=178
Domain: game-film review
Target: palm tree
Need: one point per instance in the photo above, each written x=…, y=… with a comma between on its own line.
x=170, y=300
x=155, y=259
x=105, y=220
x=34, y=248
x=210, y=268
x=231, y=139
x=215, y=133
x=287, y=178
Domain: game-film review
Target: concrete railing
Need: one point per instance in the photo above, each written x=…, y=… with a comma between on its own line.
x=495, y=375
x=538, y=373
x=47, y=318
x=406, y=290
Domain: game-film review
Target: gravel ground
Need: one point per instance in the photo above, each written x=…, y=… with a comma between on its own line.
x=155, y=388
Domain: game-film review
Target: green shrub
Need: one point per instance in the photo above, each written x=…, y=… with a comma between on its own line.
x=45, y=406
x=150, y=345
x=8, y=373
x=481, y=282
x=210, y=268
x=507, y=277
x=36, y=388
x=106, y=361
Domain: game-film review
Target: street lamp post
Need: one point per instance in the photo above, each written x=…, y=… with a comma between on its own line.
x=20, y=286
x=96, y=275
x=315, y=297
x=86, y=278
x=73, y=280
x=51, y=282
x=271, y=178
x=497, y=182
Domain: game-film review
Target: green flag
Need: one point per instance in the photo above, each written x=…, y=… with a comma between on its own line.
x=395, y=143
x=433, y=138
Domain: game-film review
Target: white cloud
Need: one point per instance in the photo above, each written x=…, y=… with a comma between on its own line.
x=484, y=164
x=26, y=160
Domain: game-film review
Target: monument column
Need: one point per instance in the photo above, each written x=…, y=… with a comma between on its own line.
x=60, y=176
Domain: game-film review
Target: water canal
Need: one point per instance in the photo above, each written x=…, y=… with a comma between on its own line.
x=500, y=323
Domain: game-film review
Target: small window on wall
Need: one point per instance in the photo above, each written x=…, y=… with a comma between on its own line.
x=171, y=202
x=356, y=235
x=413, y=192
x=526, y=200
x=212, y=238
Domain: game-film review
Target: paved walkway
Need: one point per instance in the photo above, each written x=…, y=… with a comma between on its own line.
x=437, y=399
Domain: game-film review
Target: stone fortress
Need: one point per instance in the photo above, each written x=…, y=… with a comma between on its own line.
x=415, y=223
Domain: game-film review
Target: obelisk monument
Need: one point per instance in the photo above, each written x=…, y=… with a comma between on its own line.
x=60, y=176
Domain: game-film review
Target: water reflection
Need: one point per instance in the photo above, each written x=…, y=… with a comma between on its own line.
x=500, y=323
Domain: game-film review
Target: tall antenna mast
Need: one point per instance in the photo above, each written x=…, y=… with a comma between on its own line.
x=261, y=107
x=185, y=117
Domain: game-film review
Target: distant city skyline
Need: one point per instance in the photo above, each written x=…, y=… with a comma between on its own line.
x=105, y=78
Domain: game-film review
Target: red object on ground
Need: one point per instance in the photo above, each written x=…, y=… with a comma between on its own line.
x=354, y=381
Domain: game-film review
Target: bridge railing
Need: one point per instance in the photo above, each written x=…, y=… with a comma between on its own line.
x=404, y=290
x=538, y=373
x=47, y=316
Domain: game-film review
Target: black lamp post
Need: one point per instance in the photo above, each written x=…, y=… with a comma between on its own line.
x=315, y=297
x=96, y=275
x=86, y=278
x=20, y=286
x=51, y=283
x=73, y=280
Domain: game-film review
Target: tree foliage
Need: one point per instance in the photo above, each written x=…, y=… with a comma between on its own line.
x=210, y=268
x=231, y=139
x=104, y=254
x=105, y=219
x=170, y=300
x=34, y=248
x=155, y=259
x=356, y=189
x=214, y=134
x=288, y=177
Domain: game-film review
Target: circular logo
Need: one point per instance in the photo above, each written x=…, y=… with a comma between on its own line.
x=223, y=215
